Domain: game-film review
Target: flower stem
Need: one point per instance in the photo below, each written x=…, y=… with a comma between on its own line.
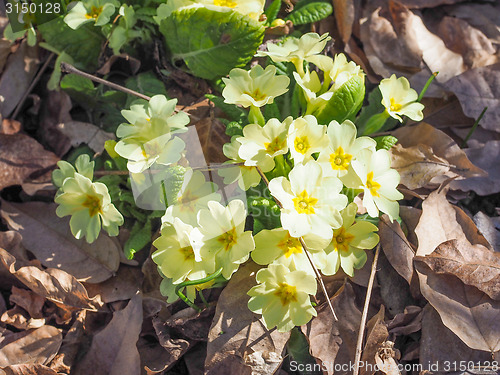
x=306, y=251
x=179, y=287
x=473, y=129
x=426, y=86
x=255, y=116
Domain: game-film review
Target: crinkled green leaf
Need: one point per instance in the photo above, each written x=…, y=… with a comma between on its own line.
x=385, y=142
x=345, y=102
x=140, y=236
x=234, y=128
x=263, y=209
x=83, y=44
x=146, y=83
x=312, y=12
x=273, y=10
x=211, y=43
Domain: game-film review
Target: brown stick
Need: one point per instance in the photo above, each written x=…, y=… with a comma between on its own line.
x=365, y=312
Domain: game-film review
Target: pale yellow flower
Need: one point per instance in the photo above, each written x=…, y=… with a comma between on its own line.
x=283, y=297
x=399, y=99
x=256, y=87
x=347, y=248
x=306, y=137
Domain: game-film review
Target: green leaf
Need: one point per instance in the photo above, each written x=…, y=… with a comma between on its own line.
x=146, y=83
x=263, y=209
x=234, y=112
x=272, y=111
x=385, y=142
x=211, y=43
x=310, y=13
x=345, y=102
x=234, y=128
x=272, y=11
x=298, y=348
x=83, y=44
x=140, y=236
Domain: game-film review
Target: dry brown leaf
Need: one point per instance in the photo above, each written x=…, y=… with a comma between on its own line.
x=19, y=72
x=174, y=348
x=212, y=136
x=5, y=51
x=21, y=157
x=376, y=334
x=441, y=348
x=36, y=346
x=335, y=341
x=65, y=357
x=488, y=229
x=113, y=350
x=124, y=285
x=20, y=319
x=190, y=324
x=478, y=88
x=440, y=222
x=27, y=370
x=82, y=132
x=474, y=265
x=464, y=309
x=238, y=339
x=408, y=322
x=55, y=285
x=10, y=126
x=487, y=157
x=442, y=147
x=396, y=247
x=344, y=17
x=427, y=3
x=31, y=302
x=417, y=165
x=195, y=359
x=50, y=239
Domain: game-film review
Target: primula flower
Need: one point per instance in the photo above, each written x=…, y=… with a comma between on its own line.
x=256, y=87
x=373, y=174
x=312, y=88
x=222, y=235
x=83, y=166
x=282, y=297
x=399, y=99
x=307, y=48
x=250, y=8
x=305, y=137
x=311, y=202
x=261, y=144
x=177, y=257
x=343, y=147
x=151, y=134
x=347, y=248
x=97, y=11
x=194, y=195
x=278, y=246
x=246, y=176
x=89, y=205
x=341, y=71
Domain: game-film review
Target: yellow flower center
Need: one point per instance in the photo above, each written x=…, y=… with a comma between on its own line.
x=274, y=146
x=256, y=94
x=93, y=203
x=187, y=252
x=225, y=3
x=286, y=293
x=341, y=239
x=301, y=144
x=373, y=186
x=228, y=239
x=94, y=12
x=395, y=107
x=339, y=160
x=304, y=204
x=290, y=245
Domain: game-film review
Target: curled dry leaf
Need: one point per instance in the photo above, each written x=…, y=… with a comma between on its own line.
x=344, y=17
x=376, y=334
x=464, y=309
x=113, y=350
x=386, y=358
x=82, y=132
x=36, y=346
x=478, y=88
x=408, y=322
x=55, y=285
x=439, y=144
x=488, y=228
x=123, y=286
x=173, y=348
x=238, y=342
x=487, y=157
x=439, y=345
x=29, y=301
x=19, y=72
x=473, y=264
x=27, y=370
x=21, y=157
x=50, y=239
x=20, y=319
x=440, y=222
x=396, y=247
x=417, y=165
x=335, y=341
